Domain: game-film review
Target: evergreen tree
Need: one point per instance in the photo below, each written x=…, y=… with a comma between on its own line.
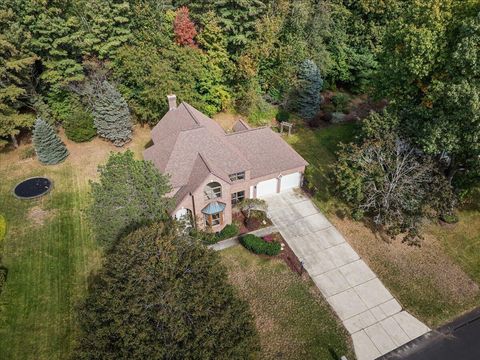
x=105, y=26
x=129, y=193
x=310, y=85
x=49, y=147
x=15, y=67
x=110, y=111
x=162, y=295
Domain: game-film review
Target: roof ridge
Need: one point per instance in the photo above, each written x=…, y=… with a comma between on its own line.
x=248, y=130
x=188, y=110
x=209, y=168
x=199, y=154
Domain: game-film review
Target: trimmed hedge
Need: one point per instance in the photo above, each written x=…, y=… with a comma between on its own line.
x=259, y=246
x=228, y=231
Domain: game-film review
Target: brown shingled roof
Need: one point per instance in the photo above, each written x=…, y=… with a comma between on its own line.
x=266, y=151
x=187, y=144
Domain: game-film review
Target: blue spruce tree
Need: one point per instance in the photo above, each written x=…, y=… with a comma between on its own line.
x=111, y=114
x=49, y=147
x=310, y=85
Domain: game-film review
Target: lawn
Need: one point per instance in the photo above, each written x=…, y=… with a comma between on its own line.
x=293, y=319
x=436, y=282
x=48, y=250
x=318, y=147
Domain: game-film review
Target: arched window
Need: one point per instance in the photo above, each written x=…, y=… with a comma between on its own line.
x=213, y=190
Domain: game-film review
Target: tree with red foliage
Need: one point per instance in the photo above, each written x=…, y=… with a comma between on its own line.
x=184, y=28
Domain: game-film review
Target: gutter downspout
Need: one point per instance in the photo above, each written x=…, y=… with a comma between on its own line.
x=194, y=220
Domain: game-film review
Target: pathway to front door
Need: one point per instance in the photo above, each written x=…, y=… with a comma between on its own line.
x=374, y=318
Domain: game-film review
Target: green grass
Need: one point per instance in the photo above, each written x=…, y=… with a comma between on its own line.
x=318, y=147
x=462, y=240
x=47, y=266
x=293, y=319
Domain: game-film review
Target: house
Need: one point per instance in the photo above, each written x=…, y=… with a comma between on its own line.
x=211, y=170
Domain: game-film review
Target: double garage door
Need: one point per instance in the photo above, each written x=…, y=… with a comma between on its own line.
x=269, y=187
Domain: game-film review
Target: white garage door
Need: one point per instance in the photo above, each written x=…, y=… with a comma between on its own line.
x=266, y=187
x=290, y=181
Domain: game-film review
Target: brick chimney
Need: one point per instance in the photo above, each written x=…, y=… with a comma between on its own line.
x=172, y=102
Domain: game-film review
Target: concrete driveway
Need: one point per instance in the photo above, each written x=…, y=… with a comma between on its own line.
x=373, y=317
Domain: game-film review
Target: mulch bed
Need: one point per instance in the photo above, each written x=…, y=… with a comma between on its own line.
x=290, y=258
x=239, y=219
x=287, y=255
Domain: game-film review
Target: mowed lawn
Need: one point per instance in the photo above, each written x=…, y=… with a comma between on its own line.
x=49, y=251
x=293, y=319
x=437, y=281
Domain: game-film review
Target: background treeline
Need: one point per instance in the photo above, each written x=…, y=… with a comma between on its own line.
x=214, y=54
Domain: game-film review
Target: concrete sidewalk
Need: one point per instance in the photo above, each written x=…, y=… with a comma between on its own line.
x=373, y=317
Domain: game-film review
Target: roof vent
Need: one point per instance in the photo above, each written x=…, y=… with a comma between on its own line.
x=172, y=102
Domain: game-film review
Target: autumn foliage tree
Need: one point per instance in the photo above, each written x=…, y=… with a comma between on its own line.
x=184, y=28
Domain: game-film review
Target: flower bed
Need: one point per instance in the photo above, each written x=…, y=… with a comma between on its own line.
x=244, y=226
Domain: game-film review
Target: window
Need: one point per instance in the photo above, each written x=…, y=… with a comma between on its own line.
x=213, y=191
x=237, y=176
x=214, y=219
x=237, y=197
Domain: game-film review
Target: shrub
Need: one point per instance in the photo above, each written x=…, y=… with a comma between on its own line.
x=449, y=218
x=228, y=231
x=338, y=117
x=262, y=113
x=79, y=126
x=282, y=115
x=248, y=206
x=269, y=238
x=259, y=246
x=27, y=153
x=340, y=101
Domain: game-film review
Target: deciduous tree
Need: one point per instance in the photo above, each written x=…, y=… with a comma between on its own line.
x=384, y=177
x=184, y=28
